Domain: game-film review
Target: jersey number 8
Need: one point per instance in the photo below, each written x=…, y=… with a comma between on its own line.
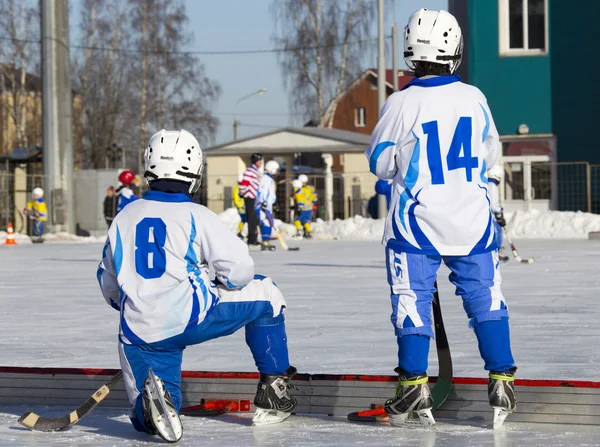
x=150, y=238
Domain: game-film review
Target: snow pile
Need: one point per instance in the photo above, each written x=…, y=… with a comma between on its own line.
x=356, y=228
x=20, y=238
x=68, y=237
x=552, y=224
x=522, y=224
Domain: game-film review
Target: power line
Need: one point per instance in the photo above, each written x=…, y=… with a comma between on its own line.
x=200, y=52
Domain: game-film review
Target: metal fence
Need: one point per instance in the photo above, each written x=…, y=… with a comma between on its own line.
x=563, y=186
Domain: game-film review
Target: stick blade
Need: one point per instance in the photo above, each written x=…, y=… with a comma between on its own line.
x=34, y=422
x=375, y=415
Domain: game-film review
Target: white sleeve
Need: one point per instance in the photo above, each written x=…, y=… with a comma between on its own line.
x=272, y=194
x=225, y=252
x=384, y=139
x=107, y=278
x=492, y=140
x=494, y=197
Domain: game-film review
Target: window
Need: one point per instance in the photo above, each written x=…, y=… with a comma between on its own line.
x=523, y=27
x=360, y=117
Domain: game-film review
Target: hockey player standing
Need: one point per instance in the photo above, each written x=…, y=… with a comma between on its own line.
x=124, y=192
x=303, y=205
x=38, y=213
x=155, y=272
x=495, y=176
x=265, y=199
x=436, y=139
x=240, y=204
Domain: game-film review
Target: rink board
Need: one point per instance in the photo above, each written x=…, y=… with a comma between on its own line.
x=540, y=401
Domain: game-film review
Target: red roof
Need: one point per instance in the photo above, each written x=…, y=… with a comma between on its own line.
x=404, y=76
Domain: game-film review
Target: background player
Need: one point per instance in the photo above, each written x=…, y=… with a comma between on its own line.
x=155, y=271
x=310, y=191
x=436, y=139
x=495, y=175
x=37, y=211
x=124, y=192
x=249, y=190
x=240, y=204
x=265, y=199
x=303, y=205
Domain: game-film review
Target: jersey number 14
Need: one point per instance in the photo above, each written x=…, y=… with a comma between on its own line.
x=460, y=141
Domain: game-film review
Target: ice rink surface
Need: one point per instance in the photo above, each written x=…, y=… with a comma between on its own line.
x=337, y=322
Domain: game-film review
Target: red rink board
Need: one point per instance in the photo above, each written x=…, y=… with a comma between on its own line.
x=548, y=401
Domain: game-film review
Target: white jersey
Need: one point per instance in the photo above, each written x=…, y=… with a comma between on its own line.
x=266, y=193
x=494, y=194
x=436, y=139
x=155, y=265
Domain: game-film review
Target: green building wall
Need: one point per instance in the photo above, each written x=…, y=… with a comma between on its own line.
x=554, y=93
x=575, y=87
x=516, y=87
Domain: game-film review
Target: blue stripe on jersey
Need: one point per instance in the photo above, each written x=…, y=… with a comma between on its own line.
x=432, y=82
x=412, y=174
x=483, y=173
x=118, y=254
x=127, y=332
x=486, y=129
x=160, y=196
x=192, y=262
x=377, y=153
x=481, y=246
x=426, y=246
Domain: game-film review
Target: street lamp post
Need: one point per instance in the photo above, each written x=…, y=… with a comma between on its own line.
x=235, y=120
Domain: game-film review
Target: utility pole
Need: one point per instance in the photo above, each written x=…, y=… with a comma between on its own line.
x=57, y=114
x=381, y=89
x=395, y=56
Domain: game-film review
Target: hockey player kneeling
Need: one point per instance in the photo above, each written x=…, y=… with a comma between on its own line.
x=155, y=271
x=436, y=139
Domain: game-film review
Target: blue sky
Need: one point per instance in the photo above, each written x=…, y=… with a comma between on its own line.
x=246, y=25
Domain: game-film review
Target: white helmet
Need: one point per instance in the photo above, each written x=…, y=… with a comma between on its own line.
x=174, y=155
x=296, y=184
x=433, y=36
x=272, y=167
x=240, y=178
x=496, y=172
x=37, y=193
x=303, y=179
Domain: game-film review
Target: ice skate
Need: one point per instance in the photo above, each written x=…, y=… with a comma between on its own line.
x=502, y=257
x=267, y=246
x=298, y=235
x=307, y=235
x=501, y=392
x=412, y=396
x=240, y=235
x=160, y=413
x=273, y=401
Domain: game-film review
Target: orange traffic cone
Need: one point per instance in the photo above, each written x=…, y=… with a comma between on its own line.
x=10, y=235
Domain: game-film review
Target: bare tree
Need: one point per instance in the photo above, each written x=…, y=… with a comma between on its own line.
x=325, y=41
x=176, y=91
x=101, y=80
x=18, y=23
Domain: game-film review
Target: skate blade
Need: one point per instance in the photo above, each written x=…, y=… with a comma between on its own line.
x=421, y=417
x=500, y=415
x=164, y=417
x=268, y=417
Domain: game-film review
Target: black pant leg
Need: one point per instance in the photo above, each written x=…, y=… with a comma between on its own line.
x=252, y=220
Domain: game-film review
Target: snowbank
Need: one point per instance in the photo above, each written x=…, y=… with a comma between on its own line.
x=61, y=237
x=521, y=225
x=552, y=224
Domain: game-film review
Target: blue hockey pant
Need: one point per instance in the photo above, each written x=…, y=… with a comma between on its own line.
x=499, y=234
x=258, y=307
x=38, y=227
x=265, y=218
x=477, y=280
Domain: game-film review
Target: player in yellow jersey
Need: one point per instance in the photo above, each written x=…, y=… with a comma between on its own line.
x=38, y=212
x=240, y=204
x=303, y=201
